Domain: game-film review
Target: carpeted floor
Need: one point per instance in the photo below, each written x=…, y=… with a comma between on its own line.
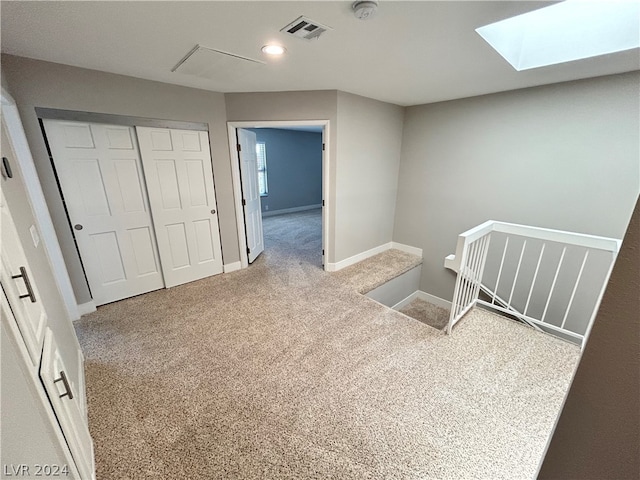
x=282, y=370
x=427, y=313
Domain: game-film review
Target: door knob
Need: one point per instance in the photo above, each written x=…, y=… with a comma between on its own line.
x=77, y=226
x=213, y=212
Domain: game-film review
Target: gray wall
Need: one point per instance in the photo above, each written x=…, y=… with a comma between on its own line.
x=311, y=105
x=563, y=156
x=364, y=146
x=369, y=142
x=598, y=432
x=35, y=83
x=294, y=168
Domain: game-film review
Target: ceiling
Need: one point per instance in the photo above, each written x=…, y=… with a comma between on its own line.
x=410, y=53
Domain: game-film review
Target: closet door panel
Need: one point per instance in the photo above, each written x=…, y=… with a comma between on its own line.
x=178, y=170
x=103, y=185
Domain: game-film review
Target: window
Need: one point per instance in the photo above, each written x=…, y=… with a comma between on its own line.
x=564, y=32
x=261, y=153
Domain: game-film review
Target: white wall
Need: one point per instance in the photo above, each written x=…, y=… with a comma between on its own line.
x=368, y=160
x=564, y=156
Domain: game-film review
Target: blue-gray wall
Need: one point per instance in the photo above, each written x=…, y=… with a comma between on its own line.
x=294, y=168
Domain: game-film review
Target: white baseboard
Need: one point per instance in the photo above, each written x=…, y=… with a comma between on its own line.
x=273, y=213
x=427, y=297
x=437, y=301
x=407, y=248
x=334, y=267
x=84, y=308
x=232, y=267
x=406, y=301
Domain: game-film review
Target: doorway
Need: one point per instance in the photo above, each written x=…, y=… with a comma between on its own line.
x=242, y=173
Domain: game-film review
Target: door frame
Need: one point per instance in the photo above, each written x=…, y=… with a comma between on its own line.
x=237, y=186
x=44, y=223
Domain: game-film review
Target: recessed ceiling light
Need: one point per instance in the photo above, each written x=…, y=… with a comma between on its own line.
x=273, y=49
x=566, y=31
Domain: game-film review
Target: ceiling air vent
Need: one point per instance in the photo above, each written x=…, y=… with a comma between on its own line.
x=305, y=28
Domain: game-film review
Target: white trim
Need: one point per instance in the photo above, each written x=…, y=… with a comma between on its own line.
x=407, y=248
x=44, y=223
x=82, y=387
x=237, y=194
x=437, y=301
x=334, y=267
x=84, y=308
x=237, y=188
x=232, y=267
x=427, y=297
x=560, y=236
x=273, y=213
x=450, y=263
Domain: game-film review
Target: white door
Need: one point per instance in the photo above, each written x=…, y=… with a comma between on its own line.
x=177, y=166
x=18, y=284
x=63, y=395
x=250, y=193
x=99, y=171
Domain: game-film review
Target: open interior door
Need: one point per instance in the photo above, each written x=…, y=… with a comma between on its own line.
x=250, y=193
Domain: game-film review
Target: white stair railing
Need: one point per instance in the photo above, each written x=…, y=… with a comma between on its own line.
x=551, y=280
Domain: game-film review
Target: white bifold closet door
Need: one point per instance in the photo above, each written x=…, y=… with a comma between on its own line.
x=177, y=166
x=100, y=174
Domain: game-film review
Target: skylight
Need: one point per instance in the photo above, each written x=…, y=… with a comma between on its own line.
x=567, y=31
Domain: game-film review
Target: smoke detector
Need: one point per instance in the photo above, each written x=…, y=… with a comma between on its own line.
x=365, y=10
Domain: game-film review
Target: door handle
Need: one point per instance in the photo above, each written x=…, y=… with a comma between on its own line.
x=6, y=168
x=77, y=226
x=67, y=388
x=213, y=212
x=23, y=275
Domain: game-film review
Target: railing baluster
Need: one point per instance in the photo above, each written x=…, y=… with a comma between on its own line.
x=553, y=284
x=535, y=276
x=575, y=287
x=476, y=268
x=467, y=275
x=515, y=279
x=457, y=293
x=483, y=260
x=504, y=253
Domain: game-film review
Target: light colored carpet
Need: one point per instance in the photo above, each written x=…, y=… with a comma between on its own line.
x=427, y=312
x=285, y=371
x=369, y=274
